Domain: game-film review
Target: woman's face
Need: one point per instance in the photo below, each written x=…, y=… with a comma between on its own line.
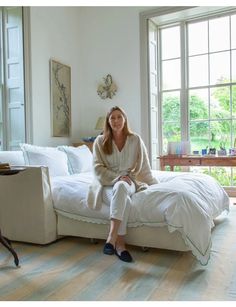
x=116, y=121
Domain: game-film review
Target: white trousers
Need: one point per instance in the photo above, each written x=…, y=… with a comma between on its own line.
x=118, y=197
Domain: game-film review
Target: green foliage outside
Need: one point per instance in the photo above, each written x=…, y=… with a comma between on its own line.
x=203, y=134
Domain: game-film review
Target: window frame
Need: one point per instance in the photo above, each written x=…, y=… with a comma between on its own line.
x=185, y=87
x=159, y=15
x=27, y=88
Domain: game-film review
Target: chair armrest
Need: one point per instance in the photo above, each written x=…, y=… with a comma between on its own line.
x=26, y=206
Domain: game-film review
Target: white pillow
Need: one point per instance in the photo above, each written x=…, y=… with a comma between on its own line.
x=14, y=157
x=54, y=159
x=80, y=159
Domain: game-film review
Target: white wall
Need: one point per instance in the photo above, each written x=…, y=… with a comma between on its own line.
x=54, y=34
x=94, y=41
x=109, y=40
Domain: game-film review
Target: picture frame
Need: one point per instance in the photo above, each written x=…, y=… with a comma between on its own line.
x=60, y=82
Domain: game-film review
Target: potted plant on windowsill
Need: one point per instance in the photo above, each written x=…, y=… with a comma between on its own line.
x=222, y=151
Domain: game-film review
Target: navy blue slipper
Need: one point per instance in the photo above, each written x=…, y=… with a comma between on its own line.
x=124, y=256
x=108, y=249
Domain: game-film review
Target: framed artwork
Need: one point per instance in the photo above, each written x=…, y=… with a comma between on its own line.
x=60, y=75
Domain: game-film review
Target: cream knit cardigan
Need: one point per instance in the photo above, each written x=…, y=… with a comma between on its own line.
x=132, y=160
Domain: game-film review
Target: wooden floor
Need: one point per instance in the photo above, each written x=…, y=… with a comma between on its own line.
x=73, y=269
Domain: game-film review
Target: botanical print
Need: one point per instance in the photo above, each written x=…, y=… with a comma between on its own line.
x=60, y=98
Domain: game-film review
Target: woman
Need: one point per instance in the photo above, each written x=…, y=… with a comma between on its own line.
x=121, y=168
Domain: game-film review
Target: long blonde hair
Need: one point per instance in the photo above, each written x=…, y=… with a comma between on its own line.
x=107, y=132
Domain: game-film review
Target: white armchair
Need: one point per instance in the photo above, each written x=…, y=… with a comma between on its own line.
x=26, y=206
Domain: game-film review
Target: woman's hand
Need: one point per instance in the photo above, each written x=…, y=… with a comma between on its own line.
x=126, y=179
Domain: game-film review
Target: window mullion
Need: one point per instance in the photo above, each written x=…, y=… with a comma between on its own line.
x=183, y=91
x=3, y=120
x=1, y=78
x=160, y=91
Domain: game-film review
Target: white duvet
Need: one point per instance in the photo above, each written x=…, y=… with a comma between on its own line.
x=184, y=202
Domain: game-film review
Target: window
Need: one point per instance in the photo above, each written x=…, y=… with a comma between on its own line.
x=196, y=88
x=12, y=101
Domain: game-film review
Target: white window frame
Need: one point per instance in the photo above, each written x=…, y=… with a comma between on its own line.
x=27, y=81
x=163, y=15
x=27, y=75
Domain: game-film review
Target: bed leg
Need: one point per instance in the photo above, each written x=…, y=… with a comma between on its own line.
x=93, y=241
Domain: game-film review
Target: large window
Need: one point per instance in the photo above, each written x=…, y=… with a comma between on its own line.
x=196, y=90
x=12, y=100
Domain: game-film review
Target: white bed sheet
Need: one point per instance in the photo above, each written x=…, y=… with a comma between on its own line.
x=185, y=202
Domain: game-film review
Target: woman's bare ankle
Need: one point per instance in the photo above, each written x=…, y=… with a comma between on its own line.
x=111, y=240
x=120, y=244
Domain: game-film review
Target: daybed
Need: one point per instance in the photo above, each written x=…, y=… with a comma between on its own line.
x=48, y=200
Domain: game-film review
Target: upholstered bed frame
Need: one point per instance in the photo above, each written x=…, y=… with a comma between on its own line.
x=27, y=213
x=143, y=236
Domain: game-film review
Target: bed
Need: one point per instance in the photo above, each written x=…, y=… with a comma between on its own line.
x=178, y=213
x=42, y=203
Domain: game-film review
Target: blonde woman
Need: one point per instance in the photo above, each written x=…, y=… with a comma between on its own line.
x=121, y=168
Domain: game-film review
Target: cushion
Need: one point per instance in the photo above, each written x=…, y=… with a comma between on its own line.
x=80, y=159
x=14, y=157
x=54, y=159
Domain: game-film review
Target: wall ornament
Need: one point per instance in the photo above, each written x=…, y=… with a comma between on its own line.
x=60, y=76
x=108, y=89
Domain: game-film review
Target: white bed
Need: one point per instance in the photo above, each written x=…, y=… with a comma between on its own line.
x=44, y=202
x=178, y=213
